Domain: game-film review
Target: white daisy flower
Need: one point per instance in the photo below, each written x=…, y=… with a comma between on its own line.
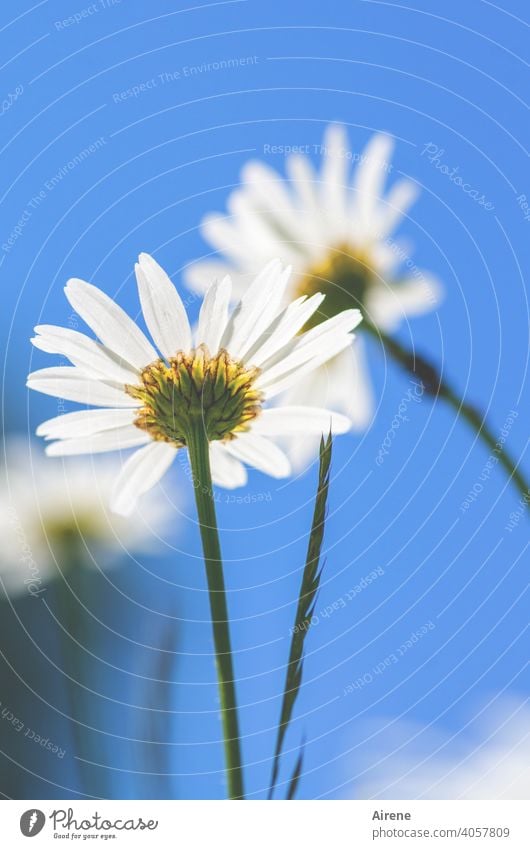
x=337, y=234
x=220, y=380
x=49, y=507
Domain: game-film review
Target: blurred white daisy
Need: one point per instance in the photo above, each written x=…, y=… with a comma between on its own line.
x=489, y=759
x=50, y=509
x=337, y=234
x=220, y=380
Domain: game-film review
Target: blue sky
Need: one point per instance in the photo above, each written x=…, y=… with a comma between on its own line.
x=167, y=132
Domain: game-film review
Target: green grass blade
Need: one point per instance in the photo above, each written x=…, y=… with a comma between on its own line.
x=297, y=772
x=305, y=609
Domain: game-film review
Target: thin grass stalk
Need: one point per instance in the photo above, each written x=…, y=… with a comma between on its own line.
x=304, y=611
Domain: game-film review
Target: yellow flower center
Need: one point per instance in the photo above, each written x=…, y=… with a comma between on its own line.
x=196, y=390
x=344, y=276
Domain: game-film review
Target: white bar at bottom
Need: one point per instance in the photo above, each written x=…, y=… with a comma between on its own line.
x=267, y=825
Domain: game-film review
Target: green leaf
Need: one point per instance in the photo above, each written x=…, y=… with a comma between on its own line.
x=304, y=613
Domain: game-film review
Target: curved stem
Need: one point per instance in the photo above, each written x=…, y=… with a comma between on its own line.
x=202, y=481
x=437, y=387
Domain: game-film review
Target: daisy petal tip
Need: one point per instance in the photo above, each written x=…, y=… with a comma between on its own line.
x=274, y=265
x=358, y=316
x=287, y=271
x=74, y=283
x=283, y=471
x=339, y=423
x=226, y=283
x=121, y=507
x=121, y=502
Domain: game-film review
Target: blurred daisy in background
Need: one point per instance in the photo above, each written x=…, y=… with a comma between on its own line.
x=220, y=380
x=488, y=759
x=337, y=233
x=55, y=513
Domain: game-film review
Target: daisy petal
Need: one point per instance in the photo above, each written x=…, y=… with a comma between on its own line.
x=284, y=327
x=140, y=473
x=199, y=275
x=334, y=176
x=214, y=315
x=110, y=323
x=287, y=380
x=220, y=232
x=226, y=470
x=399, y=199
x=256, y=310
x=260, y=453
x=83, y=352
x=389, y=305
x=162, y=307
x=349, y=385
x=71, y=384
x=369, y=181
x=280, y=421
x=304, y=180
x=84, y=423
x=258, y=227
x=117, y=439
x=313, y=343
x=269, y=195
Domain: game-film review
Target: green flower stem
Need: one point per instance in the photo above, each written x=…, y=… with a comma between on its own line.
x=435, y=386
x=198, y=448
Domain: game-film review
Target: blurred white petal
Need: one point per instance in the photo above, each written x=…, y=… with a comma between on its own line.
x=140, y=473
x=388, y=305
x=226, y=470
x=260, y=453
x=280, y=421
